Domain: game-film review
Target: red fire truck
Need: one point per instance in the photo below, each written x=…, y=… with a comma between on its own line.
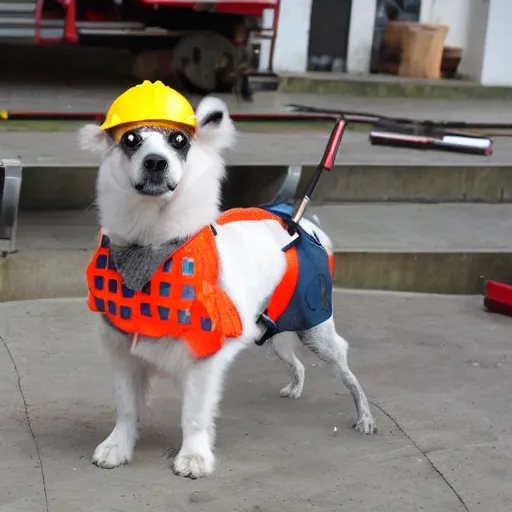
x=210, y=42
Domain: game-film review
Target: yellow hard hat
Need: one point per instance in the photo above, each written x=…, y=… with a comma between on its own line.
x=150, y=103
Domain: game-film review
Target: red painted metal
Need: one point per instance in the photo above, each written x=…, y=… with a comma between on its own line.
x=254, y=7
x=70, y=33
x=242, y=7
x=498, y=297
x=27, y=115
x=266, y=4
x=334, y=144
x=39, y=16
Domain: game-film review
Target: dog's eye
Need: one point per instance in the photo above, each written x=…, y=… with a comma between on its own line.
x=131, y=140
x=178, y=140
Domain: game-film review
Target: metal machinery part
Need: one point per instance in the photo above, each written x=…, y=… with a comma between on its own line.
x=10, y=179
x=207, y=60
x=290, y=184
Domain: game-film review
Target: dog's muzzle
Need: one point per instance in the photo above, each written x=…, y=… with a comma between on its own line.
x=155, y=179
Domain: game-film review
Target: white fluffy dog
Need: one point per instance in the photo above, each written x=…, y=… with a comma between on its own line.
x=139, y=211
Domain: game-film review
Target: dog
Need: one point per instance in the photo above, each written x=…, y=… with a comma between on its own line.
x=144, y=210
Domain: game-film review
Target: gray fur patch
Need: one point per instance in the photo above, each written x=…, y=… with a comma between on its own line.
x=137, y=263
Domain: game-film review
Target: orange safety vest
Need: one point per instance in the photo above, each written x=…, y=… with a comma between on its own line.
x=183, y=298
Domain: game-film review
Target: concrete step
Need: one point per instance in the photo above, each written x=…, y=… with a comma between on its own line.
x=50, y=186
x=255, y=146
x=57, y=93
x=449, y=248
x=384, y=86
x=58, y=175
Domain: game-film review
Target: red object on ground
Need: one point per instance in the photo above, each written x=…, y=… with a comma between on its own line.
x=498, y=297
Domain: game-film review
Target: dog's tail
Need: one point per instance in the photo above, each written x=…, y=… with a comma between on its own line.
x=313, y=226
x=314, y=218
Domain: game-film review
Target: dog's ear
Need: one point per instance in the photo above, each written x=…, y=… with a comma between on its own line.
x=214, y=125
x=93, y=139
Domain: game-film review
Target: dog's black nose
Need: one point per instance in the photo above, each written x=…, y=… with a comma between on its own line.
x=155, y=163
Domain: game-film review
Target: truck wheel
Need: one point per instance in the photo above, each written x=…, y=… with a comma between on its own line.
x=207, y=61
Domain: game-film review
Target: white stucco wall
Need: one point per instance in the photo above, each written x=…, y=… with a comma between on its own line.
x=291, y=47
x=480, y=27
x=497, y=64
x=473, y=50
x=268, y=17
x=456, y=13
x=467, y=20
x=360, y=37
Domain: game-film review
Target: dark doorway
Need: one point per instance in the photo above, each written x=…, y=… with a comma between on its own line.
x=328, y=35
x=393, y=10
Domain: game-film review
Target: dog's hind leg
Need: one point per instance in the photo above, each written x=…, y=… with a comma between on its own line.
x=283, y=347
x=203, y=382
x=330, y=347
x=131, y=376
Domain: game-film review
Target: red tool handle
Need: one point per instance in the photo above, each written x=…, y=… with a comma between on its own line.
x=334, y=144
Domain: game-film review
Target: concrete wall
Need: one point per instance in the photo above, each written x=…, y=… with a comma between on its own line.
x=268, y=17
x=468, y=21
x=473, y=53
x=497, y=64
x=291, y=48
x=480, y=27
x=360, y=38
x=456, y=13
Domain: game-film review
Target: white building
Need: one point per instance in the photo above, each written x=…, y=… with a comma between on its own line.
x=482, y=28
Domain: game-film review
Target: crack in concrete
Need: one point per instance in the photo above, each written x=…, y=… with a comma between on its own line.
x=461, y=501
x=28, y=422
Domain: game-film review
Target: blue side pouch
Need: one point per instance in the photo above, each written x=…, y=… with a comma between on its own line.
x=311, y=302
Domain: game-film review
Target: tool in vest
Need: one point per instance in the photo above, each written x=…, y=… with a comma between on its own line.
x=312, y=300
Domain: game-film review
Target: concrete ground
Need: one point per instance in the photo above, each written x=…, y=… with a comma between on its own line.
x=435, y=369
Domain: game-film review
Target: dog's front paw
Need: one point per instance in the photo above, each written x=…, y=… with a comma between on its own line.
x=111, y=454
x=194, y=465
x=366, y=425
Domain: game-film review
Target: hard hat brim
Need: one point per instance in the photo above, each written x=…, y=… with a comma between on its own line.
x=119, y=130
